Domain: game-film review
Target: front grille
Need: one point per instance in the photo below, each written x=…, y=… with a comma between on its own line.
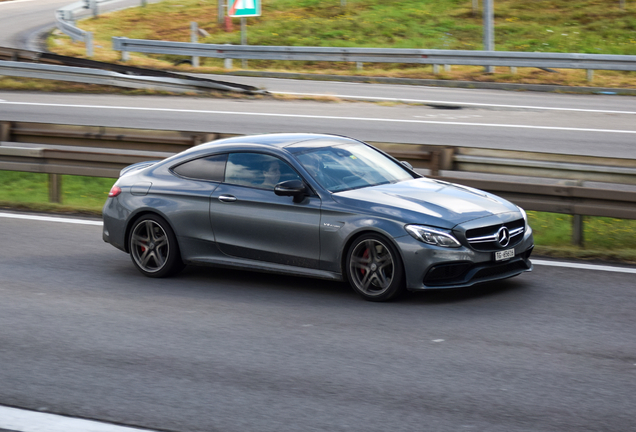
x=446, y=273
x=485, y=238
x=464, y=273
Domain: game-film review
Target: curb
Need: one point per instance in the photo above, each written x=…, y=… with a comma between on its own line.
x=549, y=88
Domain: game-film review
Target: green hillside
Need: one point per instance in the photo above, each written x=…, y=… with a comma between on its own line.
x=585, y=26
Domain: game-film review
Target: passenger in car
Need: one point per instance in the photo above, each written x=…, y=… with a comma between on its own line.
x=271, y=174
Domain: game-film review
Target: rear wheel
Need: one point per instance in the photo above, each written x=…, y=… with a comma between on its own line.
x=374, y=268
x=153, y=247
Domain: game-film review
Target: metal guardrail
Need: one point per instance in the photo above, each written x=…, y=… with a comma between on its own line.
x=103, y=151
x=66, y=16
x=97, y=76
x=100, y=137
x=560, y=198
x=379, y=55
x=65, y=21
x=39, y=61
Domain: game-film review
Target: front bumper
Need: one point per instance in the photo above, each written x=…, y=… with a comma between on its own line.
x=438, y=268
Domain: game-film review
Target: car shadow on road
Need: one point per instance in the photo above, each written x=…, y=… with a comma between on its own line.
x=252, y=280
x=260, y=284
x=475, y=292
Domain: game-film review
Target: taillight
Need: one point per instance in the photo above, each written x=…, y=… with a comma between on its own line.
x=114, y=191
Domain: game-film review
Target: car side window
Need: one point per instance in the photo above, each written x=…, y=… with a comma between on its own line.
x=211, y=168
x=257, y=170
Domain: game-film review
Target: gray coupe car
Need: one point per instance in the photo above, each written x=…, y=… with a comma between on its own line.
x=313, y=205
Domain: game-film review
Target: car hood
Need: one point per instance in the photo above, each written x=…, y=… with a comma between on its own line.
x=425, y=201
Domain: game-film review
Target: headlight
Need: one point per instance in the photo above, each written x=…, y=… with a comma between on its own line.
x=525, y=216
x=433, y=236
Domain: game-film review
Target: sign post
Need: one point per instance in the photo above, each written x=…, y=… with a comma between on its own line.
x=243, y=9
x=489, y=30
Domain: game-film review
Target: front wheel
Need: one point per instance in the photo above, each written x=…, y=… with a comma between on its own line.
x=153, y=247
x=374, y=268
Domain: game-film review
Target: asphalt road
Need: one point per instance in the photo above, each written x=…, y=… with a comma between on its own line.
x=83, y=334
x=570, y=132
x=22, y=22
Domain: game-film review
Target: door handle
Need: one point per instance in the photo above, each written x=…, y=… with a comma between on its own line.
x=227, y=198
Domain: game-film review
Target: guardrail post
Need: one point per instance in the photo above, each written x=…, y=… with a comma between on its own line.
x=577, y=219
x=94, y=8
x=446, y=158
x=88, y=40
x=436, y=69
x=5, y=131
x=513, y=70
x=435, y=162
x=590, y=75
x=55, y=188
x=227, y=63
x=119, y=44
x=577, y=230
x=447, y=68
x=359, y=66
x=194, y=38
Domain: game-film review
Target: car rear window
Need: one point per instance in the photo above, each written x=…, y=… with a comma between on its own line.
x=210, y=168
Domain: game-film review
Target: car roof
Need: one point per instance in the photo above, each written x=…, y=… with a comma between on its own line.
x=282, y=140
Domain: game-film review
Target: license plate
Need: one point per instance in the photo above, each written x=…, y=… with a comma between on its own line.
x=504, y=254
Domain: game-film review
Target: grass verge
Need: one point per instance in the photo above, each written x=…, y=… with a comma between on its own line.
x=606, y=238
x=585, y=26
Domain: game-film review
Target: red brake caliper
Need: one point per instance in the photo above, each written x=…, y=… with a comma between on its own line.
x=364, y=255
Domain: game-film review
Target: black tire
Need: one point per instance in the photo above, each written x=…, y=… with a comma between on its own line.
x=374, y=268
x=153, y=247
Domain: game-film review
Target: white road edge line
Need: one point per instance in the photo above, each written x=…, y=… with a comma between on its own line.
x=34, y=421
x=14, y=1
x=475, y=104
x=584, y=266
x=368, y=119
x=51, y=219
x=534, y=261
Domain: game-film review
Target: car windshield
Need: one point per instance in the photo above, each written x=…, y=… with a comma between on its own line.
x=351, y=166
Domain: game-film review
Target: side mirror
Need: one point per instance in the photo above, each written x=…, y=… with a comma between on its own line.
x=294, y=188
x=406, y=164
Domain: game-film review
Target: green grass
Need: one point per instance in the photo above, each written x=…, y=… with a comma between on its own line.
x=588, y=26
x=86, y=193
x=585, y=26
x=605, y=238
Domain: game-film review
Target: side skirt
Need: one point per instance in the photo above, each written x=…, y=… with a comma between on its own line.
x=259, y=266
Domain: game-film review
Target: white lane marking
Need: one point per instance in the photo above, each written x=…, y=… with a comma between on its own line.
x=425, y=101
x=596, y=267
x=51, y=219
x=14, y=1
x=366, y=119
x=534, y=261
x=34, y=421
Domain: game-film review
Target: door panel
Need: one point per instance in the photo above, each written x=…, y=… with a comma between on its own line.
x=257, y=224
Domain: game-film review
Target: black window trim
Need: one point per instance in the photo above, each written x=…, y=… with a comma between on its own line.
x=176, y=174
